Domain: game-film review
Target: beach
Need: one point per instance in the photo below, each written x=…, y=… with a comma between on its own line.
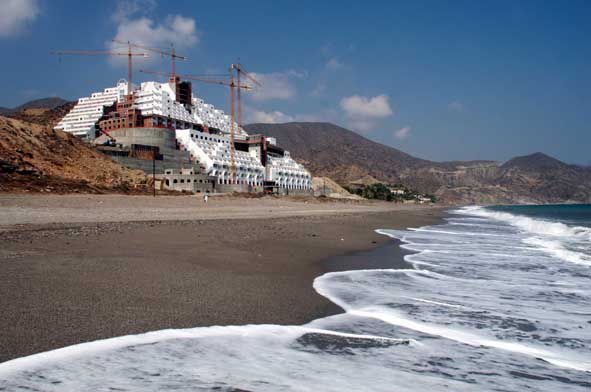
x=77, y=268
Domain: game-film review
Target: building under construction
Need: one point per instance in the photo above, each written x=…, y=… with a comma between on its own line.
x=181, y=129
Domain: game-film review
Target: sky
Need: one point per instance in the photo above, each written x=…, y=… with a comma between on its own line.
x=442, y=80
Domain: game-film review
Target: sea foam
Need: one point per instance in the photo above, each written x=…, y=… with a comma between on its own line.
x=531, y=225
x=488, y=305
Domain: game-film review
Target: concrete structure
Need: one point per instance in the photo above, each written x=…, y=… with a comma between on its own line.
x=163, y=138
x=287, y=173
x=83, y=118
x=168, y=116
x=156, y=104
x=213, y=152
x=167, y=159
x=187, y=179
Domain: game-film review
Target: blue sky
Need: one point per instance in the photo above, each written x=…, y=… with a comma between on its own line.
x=440, y=80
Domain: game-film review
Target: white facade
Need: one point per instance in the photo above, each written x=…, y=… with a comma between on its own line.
x=159, y=99
x=152, y=98
x=287, y=173
x=213, y=153
x=81, y=120
x=215, y=118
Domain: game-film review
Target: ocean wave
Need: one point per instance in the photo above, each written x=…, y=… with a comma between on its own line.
x=555, y=238
x=331, y=286
x=472, y=339
x=461, y=308
x=557, y=249
x=84, y=350
x=531, y=225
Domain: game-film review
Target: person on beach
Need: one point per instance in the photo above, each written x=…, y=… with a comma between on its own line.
x=205, y=196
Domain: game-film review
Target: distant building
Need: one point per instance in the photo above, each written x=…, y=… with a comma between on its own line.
x=421, y=199
x=397, y=191
x=157, y=113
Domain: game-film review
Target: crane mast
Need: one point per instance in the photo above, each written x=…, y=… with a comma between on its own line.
x=240, y=71
x=231, y=83
x=129, y=55
x=172, y=54
x=232, y=147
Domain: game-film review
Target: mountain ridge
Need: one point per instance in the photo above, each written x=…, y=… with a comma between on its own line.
x=341, y=154
x=41, y=103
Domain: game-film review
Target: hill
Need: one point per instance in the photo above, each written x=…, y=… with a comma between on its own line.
x=338, y=153
x=333, y=151
x=38, y=158
x=534, y=163
x=43, y=116
x=42, y=103
x=45, y=111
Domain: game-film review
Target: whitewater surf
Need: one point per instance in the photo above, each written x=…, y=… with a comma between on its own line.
x=493, y=299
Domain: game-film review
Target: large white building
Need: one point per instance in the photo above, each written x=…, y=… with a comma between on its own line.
x=287, y=173
x=213, y=153
x=199, y=127
x=83, y=118
x=152, y=99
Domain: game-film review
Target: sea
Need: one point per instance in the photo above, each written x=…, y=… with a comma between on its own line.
x=493, y=299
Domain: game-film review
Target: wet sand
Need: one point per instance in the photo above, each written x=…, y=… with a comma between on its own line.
x=80, y=278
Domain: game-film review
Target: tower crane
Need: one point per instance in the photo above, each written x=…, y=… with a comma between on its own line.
x=240, y=71
x=172, y=54
x=232, y=85
x=129, y=55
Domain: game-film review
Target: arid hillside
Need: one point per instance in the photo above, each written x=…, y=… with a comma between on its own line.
x=37, y=158
x=345, y=156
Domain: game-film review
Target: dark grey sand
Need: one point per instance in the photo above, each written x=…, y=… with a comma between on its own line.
x=387, y=255
x=68, y=283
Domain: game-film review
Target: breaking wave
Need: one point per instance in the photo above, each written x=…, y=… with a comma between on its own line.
x=531, y=225
x=560, y=239
x=490, y=301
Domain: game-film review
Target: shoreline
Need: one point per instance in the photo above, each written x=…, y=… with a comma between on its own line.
x=68, y=283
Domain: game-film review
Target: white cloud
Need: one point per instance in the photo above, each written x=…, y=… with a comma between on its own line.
x=253, y=115
x=402, y=133
x=371, y=108
x=456, y=106
x=276, y=85
x=273, y=117
x=16, y=15
x=334, y=64
x=135, y=26
x=176, y=29
x=363, y=112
